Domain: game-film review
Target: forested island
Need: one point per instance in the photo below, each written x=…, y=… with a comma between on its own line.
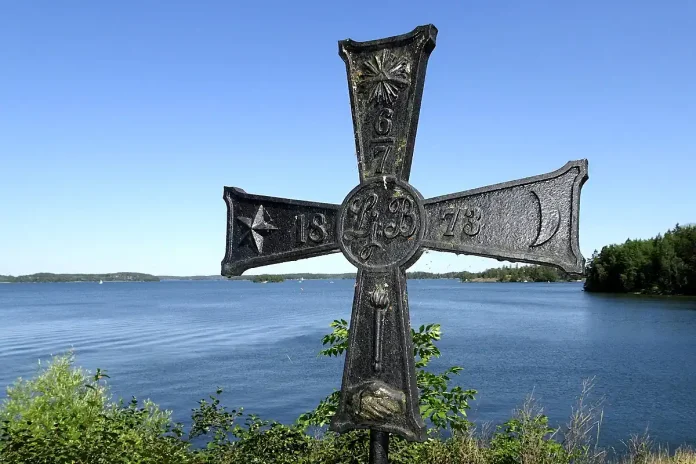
x=44, y=277
x=662, y=265
x=267, y=278
x=518, y=274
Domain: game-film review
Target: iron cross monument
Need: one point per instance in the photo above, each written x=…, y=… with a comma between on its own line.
x=384, y=224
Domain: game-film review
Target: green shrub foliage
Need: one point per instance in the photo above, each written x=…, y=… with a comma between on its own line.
x=65, y=416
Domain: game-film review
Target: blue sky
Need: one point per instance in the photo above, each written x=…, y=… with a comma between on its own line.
x=120, y=122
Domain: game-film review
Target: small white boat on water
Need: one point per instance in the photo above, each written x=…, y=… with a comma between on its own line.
x=100, y=282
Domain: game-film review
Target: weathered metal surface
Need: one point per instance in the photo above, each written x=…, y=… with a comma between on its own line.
x=384, y=225
x=264, y=230
x=385, y=81
x=379, y=447
x=533, y=220
x=379, y=388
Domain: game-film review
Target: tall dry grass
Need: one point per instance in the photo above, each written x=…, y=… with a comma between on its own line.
x=579, y=438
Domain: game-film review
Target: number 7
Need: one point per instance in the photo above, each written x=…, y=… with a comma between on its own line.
x=383, y=151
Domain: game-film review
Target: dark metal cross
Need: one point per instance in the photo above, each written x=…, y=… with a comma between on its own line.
x=384, y=224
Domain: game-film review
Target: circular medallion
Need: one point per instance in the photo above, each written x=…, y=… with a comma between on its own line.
x=381, y=224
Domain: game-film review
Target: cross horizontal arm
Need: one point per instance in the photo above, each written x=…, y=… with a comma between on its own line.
x=264, y=230
x=532, y=220
x=379, y=388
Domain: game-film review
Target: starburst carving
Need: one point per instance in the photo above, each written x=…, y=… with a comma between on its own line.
x=256, y=229
x=387, y=74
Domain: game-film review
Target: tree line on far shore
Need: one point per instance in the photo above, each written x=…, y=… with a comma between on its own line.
x=43, y=277
x=663, y=265
x=518, y=274
x=265, y=278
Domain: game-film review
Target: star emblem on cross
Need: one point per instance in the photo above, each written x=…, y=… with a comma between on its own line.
x=256, y=228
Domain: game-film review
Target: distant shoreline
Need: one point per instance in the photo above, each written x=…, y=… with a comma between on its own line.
x=46, y=277
x=81, y=282
x=141, y=277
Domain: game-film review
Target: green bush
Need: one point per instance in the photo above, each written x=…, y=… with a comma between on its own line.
x=64, y=415
x=526, y=439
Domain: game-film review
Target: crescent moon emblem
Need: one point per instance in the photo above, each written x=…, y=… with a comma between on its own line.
x=549, y=218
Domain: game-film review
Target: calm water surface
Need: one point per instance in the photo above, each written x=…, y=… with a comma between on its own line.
x=176, y=342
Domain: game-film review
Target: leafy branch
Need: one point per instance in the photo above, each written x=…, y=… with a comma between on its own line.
x=440, y=404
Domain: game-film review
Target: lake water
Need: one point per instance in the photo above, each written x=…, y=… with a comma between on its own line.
x=176, y=342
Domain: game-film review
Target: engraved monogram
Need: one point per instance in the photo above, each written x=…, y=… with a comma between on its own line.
x=380, y=223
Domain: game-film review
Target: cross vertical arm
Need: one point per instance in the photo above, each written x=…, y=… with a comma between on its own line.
x=379, y=391
x=380, y=229
x=264, y=230
x=531, y=220
x=385, y=81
